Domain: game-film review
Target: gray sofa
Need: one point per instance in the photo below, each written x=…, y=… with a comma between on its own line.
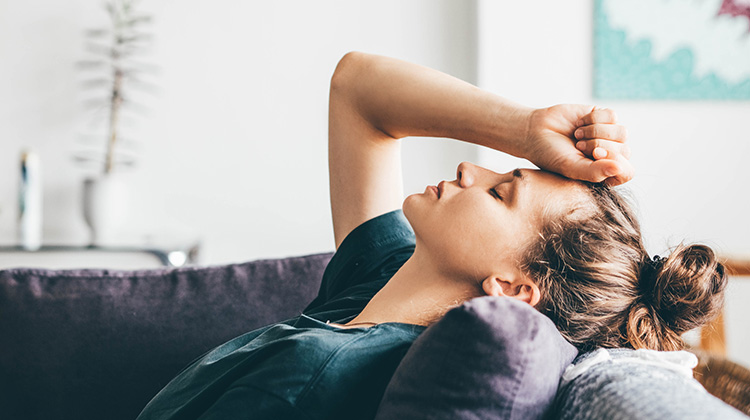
x=98, y=344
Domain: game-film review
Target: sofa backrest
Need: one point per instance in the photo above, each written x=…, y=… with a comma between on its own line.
x=99, y=344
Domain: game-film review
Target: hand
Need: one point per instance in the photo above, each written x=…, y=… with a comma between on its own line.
x=579, y=142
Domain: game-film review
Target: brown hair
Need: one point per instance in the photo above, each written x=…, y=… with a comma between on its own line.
x=602, y=289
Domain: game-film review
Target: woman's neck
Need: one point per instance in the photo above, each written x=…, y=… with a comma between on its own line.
x=417, y=294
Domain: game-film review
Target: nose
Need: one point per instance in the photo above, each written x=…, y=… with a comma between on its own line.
x=466, y=174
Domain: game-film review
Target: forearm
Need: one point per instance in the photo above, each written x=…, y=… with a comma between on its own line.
x=404, y=99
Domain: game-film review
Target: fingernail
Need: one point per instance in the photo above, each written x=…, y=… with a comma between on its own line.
x=579, y=134
x=579, y=123
x=600, y=153
x=581, y=145
x=610, y=172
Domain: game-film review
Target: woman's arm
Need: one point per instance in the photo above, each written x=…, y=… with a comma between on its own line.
x=376, y=100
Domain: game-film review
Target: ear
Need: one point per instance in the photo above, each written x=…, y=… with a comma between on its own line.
x=521, y=288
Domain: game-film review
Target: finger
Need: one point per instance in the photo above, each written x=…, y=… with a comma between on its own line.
x=602, y=149
x=626, y=173
x=602, y=131
x=598, y=116
x=586, y=169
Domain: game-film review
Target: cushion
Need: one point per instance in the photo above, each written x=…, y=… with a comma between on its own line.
x=99, y=344
x=490, y=358
x=624, y=384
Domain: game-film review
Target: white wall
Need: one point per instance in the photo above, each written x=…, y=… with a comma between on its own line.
x=691, y=157
x=234, y=150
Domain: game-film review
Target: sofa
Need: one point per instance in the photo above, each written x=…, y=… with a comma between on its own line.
x=99, y=344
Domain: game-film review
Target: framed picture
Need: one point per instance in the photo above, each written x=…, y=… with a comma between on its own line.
x=669, y=49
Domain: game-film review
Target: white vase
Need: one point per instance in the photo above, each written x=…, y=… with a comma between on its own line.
x=105, y=207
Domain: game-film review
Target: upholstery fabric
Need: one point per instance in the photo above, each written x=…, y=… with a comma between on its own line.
x=98, y=344
x=490, y=358
x=624, y=388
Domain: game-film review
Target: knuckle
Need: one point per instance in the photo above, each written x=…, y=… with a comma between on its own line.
x=586, y=132
x=611, y=133
x=596, y=131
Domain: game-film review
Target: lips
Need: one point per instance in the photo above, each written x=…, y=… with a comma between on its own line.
x=441, y=188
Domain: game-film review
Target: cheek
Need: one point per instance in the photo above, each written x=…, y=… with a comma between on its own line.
x=492, y=234
x=473, y=232
x=465, y=230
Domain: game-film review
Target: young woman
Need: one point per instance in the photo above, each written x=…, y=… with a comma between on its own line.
x=559, y=239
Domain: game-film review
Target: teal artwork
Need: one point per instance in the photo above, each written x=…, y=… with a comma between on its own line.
x=662, y=49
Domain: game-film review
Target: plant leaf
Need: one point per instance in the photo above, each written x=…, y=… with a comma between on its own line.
x=138, y=20
x=92, y=64
x=99, y=49
x=97, y=33
x=95, y=83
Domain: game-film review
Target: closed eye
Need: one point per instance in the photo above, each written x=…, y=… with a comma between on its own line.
x=496, y=194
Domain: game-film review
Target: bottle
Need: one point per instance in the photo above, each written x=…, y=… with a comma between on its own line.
x=30, y=202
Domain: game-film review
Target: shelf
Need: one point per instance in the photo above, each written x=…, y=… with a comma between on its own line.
x=109, y=257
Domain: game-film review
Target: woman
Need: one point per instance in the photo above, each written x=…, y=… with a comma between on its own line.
x=568, y=245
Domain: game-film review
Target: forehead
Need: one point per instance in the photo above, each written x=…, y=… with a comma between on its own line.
x=552, y=192
x=550, y=179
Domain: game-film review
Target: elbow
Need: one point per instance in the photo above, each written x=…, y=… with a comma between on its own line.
x=346, y=70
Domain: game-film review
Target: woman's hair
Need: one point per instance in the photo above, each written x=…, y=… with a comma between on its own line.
x=602, y=289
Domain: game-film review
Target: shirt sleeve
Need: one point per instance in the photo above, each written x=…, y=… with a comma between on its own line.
x=364, y=262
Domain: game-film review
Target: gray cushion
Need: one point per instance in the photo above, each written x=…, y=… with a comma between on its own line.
x=490, y=358
x=99, y=344
x=621, y=388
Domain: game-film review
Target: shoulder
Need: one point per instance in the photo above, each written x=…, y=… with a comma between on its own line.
x=370, y=241
x=367, y=258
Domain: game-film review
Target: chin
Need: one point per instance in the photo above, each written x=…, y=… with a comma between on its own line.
x=420, y=216
x=407, y=208
x=413, y=211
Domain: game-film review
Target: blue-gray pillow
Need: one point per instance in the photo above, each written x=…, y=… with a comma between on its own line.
x=615, y=384
x=490, y=358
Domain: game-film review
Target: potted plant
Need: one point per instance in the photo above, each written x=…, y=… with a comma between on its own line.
x=113, y=72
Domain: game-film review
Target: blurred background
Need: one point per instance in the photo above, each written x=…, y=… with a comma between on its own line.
x=230, y=147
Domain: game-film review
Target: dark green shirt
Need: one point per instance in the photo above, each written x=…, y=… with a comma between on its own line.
x=303, y=368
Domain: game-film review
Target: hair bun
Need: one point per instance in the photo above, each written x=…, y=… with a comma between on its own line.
x=649, y=274
x=680, y=292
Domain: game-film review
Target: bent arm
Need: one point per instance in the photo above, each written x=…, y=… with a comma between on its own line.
x=404, y=99
x=374, y=101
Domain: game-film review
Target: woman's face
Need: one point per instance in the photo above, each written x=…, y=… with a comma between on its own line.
x=479, y=224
